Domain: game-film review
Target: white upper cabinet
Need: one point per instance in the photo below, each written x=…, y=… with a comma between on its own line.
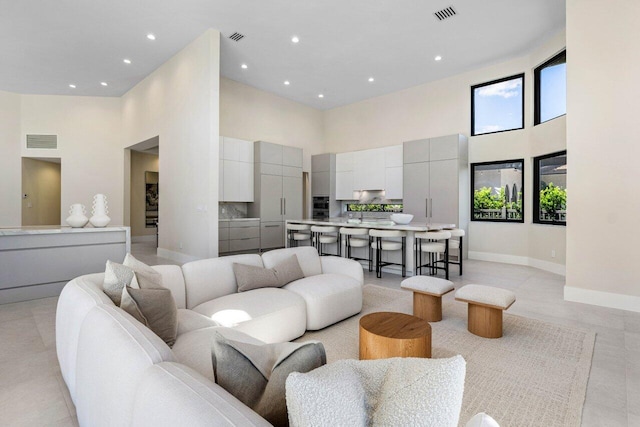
x=393, y=183
x=344, y=185
x=237, y=149
x=292, y=156
x=444, y=147
x=344, y=162
x=236, y=170
x=369, y=169
x=393, y=156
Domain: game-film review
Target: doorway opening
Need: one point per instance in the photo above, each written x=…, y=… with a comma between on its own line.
x=144, y=191
x=41, y=191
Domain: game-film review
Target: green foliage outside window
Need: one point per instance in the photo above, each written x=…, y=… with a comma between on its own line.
x=553, y=198
x=483, y=199
x=374, y=207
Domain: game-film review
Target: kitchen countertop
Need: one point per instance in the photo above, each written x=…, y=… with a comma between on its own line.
x=342, y=222
x=239, y=219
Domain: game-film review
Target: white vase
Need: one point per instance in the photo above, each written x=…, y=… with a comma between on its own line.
x=77, y=217
x=99, y=211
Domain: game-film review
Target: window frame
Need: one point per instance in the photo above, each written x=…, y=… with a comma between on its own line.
x=522, y=189
x=536, y=86
x=473, y=103
x=536, y=187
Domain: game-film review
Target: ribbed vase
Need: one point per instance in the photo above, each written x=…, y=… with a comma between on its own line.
x=99, y=211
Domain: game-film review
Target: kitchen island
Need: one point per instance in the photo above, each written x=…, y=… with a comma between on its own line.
x=380, y=224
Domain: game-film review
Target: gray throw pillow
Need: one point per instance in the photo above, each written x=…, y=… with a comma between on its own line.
x=116, y=277
x=154, y=308
x=256, y=374
x=288, y=270
x=252, y=277
x=147, y=277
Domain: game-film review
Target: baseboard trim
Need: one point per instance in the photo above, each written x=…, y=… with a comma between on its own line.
x=143, y=239
x=603, y=299
x=519, y=260
x=176, y=256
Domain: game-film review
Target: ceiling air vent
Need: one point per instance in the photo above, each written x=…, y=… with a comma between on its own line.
x=48, y=142
x=236, y=37
x=445, y=13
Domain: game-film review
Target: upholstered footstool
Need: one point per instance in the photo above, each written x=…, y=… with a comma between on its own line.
x=427, y=296
x=486, y=305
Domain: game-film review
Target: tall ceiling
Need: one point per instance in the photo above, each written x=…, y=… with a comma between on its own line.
x=47, y=45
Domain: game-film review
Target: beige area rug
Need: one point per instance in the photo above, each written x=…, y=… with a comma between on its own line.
x=535, y=375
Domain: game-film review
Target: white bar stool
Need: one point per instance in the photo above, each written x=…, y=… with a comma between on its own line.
x=456, y=244
x=297, y=233
x=355, y=238
x=389, y=245
x=433, y=243
x=323, y=235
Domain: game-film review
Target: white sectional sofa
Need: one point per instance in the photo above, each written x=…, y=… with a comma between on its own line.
x=120, y=373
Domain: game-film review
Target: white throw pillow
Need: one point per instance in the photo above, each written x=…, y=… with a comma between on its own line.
x=482, y=420
x=385, y=392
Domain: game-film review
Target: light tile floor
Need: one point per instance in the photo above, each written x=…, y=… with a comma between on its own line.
x=32, y=392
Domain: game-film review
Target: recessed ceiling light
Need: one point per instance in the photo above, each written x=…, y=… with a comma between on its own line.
x=321, y=96
x=286, y=82
x=244, y=66
x=103, y=83
x=371, y=79
x=295, y=39
x=72, y=86
x=438, y=58
x=126, y=61
x=151, y=36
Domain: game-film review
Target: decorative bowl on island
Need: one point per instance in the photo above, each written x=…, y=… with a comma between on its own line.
x=399, y=218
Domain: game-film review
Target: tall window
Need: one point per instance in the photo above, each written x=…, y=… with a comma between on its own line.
x=550, y=189
x=497, y=106
x=551, y=89
x=498, y=191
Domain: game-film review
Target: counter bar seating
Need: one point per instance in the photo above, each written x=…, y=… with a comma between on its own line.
x=380, y=245
x=456, y=244
x=434, y=243
x=356, y=238
x=324, y=235
x=297, y=233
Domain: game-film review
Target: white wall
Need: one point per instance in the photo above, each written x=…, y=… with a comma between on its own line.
x=179, y=102
x=10, y=164
x=603, y=149
x=442, y=108
x=252, y=114
x=89, y=135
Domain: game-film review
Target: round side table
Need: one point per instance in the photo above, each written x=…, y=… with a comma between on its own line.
x=385, y=334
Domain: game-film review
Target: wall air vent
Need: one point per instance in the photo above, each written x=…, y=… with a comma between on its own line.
x=236, y=37
x=47, y=142
x=445, y=13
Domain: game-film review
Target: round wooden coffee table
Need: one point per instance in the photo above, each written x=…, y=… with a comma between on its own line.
x=386, y=334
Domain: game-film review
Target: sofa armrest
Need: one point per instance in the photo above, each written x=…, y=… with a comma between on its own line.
x=337, y=265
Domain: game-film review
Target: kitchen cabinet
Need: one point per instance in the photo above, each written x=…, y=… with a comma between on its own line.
x=368, y=168
x=393, y=183
x=278, y=190
x=239, y=235
x=236, y=170
x=344, y=176
x=436, y=180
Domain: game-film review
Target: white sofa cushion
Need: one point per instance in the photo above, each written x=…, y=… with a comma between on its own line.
x=212, y=278
x=78, y=297
x=337, y=265
x=173, y=395
x=307, y=258
x=385, y=392
x=173, y=279
x=194, y=348
x=268, y=314
x=189, y=320
x=114, y=351
x=329, y=298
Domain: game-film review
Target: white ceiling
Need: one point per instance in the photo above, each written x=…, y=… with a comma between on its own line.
x=46, y=45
